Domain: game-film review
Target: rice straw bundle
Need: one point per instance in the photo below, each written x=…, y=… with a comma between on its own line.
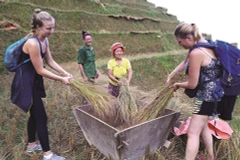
x=126, y=106
x=143, y=98
x=98, y=98
x=157, y=106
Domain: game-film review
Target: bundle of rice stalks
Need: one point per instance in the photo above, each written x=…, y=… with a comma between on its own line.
x=126, y=107
x=157, y=106
x=99, y=99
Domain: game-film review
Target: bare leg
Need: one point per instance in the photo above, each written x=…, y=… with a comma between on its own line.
x=207, y=140
x=198, y=122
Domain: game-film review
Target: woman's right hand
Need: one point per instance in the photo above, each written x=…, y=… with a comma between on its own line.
x=66, y=80
x=85, y=78
x=175, y=87
x=119, y=83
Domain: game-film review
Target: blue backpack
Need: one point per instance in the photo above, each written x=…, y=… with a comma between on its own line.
x=229, y=57
x=228, y=88
x=13, y=55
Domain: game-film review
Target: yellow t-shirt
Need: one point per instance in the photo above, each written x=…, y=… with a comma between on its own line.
x=118, y=70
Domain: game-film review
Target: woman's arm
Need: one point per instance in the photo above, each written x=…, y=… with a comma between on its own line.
x=129, y=76
x=53, y=64
x=179, y=68
x=195, y=62
x=82, y=72
x=110, y=75
x=31, y=47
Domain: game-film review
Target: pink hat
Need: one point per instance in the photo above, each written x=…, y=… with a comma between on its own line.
x=116, y=46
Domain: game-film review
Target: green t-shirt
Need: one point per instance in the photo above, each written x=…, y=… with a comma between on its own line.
x=86, y=57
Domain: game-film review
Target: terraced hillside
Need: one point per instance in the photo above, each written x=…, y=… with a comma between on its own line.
x=145, y=30
x=139, y=25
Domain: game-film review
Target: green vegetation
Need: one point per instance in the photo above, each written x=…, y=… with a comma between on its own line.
x=139, y=35
x=65, y=134
x=145, y=31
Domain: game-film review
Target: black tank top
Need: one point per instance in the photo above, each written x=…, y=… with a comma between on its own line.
x=25, y=56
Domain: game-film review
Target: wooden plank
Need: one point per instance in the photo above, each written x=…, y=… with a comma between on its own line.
x=130, y=143
x=150, y=134
x=98, y=133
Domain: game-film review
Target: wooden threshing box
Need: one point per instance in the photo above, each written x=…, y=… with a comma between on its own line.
x=130, y=143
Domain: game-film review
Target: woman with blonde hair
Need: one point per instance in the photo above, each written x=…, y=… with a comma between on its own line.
x=198, y=61
x=28, y=81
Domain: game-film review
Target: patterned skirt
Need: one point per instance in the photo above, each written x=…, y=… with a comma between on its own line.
x=113, y=90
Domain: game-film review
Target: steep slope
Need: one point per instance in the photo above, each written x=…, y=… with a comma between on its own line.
x=139, y=25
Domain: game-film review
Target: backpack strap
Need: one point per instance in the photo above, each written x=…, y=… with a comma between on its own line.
x=27, y=60
x=206, y=52
x=209, y=44
x=45, y=41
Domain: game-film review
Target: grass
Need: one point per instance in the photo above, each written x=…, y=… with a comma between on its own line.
x=110, y=7
x=67, y=40
x=146, y=42
x=80, y=18
x=66, y=137
x=65, y=45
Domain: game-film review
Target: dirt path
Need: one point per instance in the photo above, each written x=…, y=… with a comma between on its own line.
x=72, y=67
x=101, y=62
